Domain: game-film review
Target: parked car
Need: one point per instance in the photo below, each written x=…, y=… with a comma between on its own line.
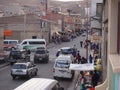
x=40, y=84
x=24, y=69
x=41, y=55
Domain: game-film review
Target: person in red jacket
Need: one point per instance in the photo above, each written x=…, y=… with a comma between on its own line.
x=78, y=57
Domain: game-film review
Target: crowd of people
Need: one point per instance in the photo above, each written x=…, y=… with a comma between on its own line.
x=91, y=82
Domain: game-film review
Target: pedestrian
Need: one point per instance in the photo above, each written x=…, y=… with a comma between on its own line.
x=58, y=53
x=78, y=57
x=81, y=44
x=90, y=58
x=82, y=82
x=74, y=53
x=83, y=60
x=95, y=78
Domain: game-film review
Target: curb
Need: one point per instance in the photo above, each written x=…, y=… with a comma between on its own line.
x=3, y=65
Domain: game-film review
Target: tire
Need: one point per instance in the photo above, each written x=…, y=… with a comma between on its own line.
x=55, y=77
x=13, y=77
x=36, y=72
x=47, y=60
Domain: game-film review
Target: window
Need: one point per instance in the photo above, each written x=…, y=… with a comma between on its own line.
x=62, y=64
x=13, y=42
x=24, y=43
x=99, y=9
x=19, y=66
x=40, y=52
x=5, y=42
x=36, y=42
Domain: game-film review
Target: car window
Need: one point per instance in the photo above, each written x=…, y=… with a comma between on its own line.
x=36, y=42
x=5, y=42
x=19, y=66
x=40, y=52
x=66, y=51
x=24, y=43
x=12, y=42
x=15, y=53
x=62, y=64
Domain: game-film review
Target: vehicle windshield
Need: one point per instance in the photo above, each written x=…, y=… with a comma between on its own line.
x=13, y=42
x=19, y=66
x=40, y=52
x=15, y=53
x=66, y=51
x=62, y=64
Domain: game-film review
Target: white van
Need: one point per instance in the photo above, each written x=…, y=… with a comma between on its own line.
x=10, y=44
x=32, y=44
x=40, y=84
x=61, y=67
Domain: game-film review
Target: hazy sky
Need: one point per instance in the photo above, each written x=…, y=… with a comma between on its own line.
x=68, y=0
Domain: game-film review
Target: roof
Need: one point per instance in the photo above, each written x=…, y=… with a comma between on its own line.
x=65, y=48
x=24, y=63
x=10, y=40
x=37, y=84
x=34, y=40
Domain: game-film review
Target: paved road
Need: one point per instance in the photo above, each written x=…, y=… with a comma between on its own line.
x=45, y=70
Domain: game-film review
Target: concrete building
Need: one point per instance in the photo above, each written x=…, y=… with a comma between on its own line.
x=96, y=16
x=111, y=39
x=25, y=26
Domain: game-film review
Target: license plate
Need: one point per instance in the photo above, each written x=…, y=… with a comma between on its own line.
x=18, y=70
x=62, y=71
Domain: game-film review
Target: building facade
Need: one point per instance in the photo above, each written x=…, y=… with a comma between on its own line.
x=111, y=28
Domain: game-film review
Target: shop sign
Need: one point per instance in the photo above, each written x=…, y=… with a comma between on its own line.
x=96, y=38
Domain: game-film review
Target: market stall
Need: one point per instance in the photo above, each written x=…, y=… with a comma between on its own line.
x=86, y=69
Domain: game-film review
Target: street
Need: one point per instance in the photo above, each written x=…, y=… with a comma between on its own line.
x=44, y=70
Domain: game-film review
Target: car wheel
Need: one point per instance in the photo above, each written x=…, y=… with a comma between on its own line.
x=47, y=60
x=13, y=77
x=55, y=77
x=36, y=73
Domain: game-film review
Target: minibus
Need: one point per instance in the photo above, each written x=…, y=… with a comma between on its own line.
x=40, y=84
x=32, y=44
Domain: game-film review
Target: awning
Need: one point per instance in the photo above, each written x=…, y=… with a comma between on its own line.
x=82, y=67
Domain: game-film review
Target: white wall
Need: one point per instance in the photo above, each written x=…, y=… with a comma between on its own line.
x=12, y=10
x=93, y=6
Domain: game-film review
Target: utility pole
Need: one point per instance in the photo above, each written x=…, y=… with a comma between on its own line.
x=24, y=25
x=87, y=32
